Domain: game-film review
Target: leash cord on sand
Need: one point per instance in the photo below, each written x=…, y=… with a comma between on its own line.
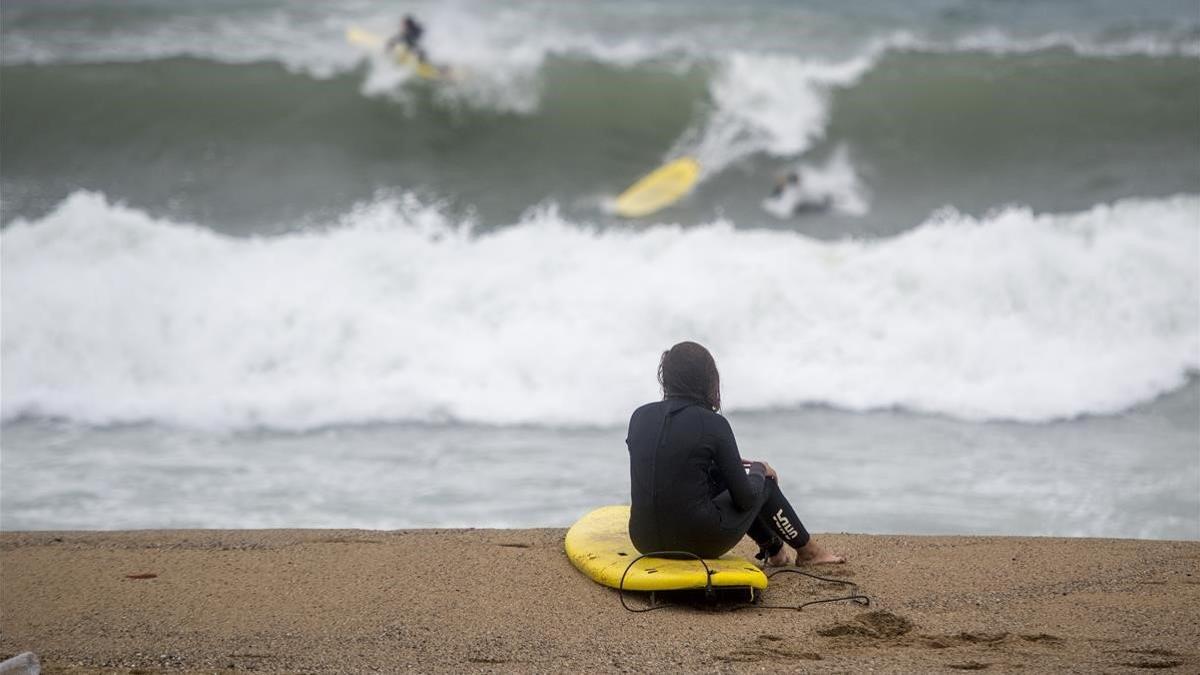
x=855, y=597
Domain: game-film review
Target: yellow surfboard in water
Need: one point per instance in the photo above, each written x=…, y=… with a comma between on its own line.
x=598, y=545
x=401, y=54
x=660, y=188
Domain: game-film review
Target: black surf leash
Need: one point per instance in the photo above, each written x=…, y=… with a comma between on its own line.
x=708, y=587
x=855, y=597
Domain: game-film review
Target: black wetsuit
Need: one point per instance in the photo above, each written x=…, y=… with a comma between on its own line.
x=409, y=36
x=690, y=491
x=412, y=34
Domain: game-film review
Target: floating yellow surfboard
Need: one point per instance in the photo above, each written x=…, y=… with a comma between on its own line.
x=599, y=546
x=662, y=187
x=401, y=54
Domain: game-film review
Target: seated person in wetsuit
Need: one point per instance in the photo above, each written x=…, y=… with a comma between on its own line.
x=409, y=36
x=691, y=489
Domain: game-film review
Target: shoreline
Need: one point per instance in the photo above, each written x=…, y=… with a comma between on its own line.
x=453, y=600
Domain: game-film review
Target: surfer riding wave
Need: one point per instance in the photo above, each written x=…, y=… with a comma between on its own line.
x=409, y=35
x=691, y=490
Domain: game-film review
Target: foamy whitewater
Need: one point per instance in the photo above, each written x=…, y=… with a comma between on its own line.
x=396, y=314
x=255, y=276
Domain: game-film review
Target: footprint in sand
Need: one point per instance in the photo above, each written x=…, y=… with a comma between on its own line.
x=982, y=638
x=1154, y=658
x=965, y=638
x=873, y=625
x=766, y=648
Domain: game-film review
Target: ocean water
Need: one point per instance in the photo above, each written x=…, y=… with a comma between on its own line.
x=255, y=277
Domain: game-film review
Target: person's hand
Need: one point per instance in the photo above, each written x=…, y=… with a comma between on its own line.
x=770, y=472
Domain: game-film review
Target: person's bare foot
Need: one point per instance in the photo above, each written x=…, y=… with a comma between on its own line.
x=780, y=559
x=813, y=554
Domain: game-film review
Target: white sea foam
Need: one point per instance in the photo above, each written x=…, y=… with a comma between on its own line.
x=996, y=41
x=768, y=103
x=398, y=313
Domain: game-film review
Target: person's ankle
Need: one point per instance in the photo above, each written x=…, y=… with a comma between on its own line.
x=772, y=554
x=779, y=558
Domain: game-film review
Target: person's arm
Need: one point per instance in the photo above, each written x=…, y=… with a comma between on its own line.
x=744, y=486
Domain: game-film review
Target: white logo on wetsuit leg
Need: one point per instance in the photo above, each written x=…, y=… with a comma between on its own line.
x=784, y=524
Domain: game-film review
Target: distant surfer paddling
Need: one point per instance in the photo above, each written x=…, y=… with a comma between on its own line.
x=787, y=182
x=410, y=36
x=789, y=188
x=691, y=490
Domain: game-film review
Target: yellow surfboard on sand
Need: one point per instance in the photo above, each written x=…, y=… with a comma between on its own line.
x=598, y=545
x=660, y=188
x=401, y=54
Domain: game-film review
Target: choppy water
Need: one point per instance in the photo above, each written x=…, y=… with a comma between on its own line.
x=229, y=237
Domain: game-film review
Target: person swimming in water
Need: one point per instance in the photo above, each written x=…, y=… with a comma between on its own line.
x=691, y=490
x=788, y=187
x=789, y=181
x=409, y=35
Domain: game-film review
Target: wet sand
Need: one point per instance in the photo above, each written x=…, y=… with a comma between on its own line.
x=509, y=600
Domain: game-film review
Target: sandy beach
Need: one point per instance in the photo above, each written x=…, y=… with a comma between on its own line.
x=509, y=600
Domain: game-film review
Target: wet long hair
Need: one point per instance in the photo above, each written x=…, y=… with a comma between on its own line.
x=687, y=370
